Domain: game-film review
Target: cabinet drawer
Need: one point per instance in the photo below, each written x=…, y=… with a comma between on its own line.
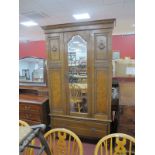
x=30, y=107
x=29, y=116
x=82, y=127
x=88, y=132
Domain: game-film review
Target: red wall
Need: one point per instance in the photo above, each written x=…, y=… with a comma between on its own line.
x=32, y=48
x=123, y=43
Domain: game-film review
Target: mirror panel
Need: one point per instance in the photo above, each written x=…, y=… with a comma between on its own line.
x=77, y=64
x=32, y=70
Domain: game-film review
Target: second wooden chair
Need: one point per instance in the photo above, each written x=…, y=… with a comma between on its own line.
x=115, y=144
x=63, y=142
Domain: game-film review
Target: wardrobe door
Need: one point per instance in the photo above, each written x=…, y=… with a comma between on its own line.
x=78, y=73
x=56, y=73
x=101, y=96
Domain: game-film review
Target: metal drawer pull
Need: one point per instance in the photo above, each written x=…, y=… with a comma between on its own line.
x=93, y=129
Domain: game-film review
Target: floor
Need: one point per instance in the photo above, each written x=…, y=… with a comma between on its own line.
x=88, y=148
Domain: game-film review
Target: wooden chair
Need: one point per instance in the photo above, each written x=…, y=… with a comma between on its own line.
x=115, y=144
x=23, y=123
x=76, y=96
x=27, y=151
x=63, y=142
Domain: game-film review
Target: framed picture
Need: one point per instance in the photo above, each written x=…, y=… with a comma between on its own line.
x=26, y=73
x=115, y=55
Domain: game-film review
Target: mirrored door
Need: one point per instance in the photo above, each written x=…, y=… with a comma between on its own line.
x=77, y=74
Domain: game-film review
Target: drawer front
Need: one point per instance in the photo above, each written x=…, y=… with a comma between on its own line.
x=30, y=107
x=82, y=127
x=29, y=116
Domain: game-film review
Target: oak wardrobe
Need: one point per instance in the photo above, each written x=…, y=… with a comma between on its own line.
x=79, y=68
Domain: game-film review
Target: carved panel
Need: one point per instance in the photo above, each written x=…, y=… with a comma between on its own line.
x=54, y=65
x=102, y=64
x=100, y=47
x=56, y=90
x=101, y=91
x=54, y=49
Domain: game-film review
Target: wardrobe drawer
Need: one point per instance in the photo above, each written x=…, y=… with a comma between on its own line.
x=88, y=132
x=30, y=116
x=82, y=127
x=30, y=107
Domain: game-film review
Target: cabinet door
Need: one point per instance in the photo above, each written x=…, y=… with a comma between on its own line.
x=56, y=73
x=78, y=76
x=102, y=77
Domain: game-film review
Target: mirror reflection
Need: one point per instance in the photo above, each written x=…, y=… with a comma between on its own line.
x=77, y=64
x=31, y=70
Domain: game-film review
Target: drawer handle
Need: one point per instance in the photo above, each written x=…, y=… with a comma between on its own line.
x=27, y=107
x=93, y=129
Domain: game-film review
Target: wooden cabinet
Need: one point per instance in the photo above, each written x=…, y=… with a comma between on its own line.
x=79, y=70
x=34, y=109
x=126, y=122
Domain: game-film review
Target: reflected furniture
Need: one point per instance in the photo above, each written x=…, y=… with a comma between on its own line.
x=116, y=144
x=76, y=96
x=63, y=142
x=32, y=71
x=80, y=54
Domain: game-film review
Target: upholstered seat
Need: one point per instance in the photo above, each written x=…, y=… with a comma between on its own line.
x=27, y=151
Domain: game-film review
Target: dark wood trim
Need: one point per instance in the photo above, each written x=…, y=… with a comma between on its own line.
x=27, y=98
x=125, y=79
